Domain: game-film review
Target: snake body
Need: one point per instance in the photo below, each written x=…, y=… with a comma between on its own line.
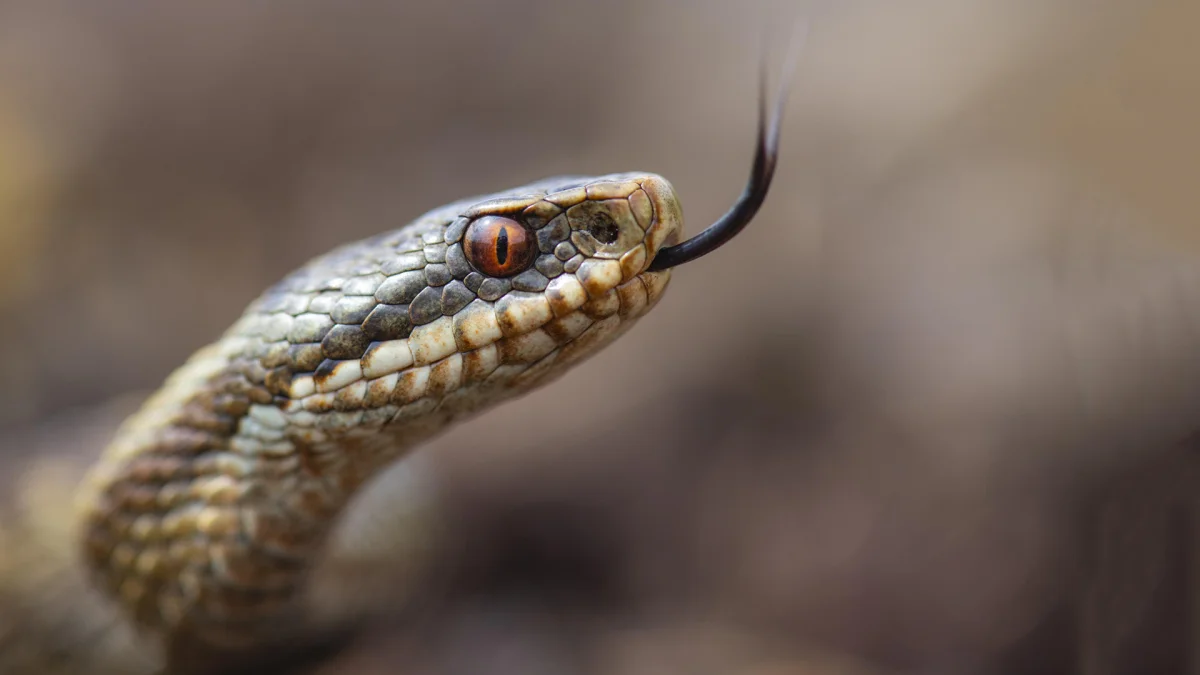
x=203, y=520
x=204, y=517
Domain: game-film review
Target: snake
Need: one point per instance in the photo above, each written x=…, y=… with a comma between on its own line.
x=201, y=522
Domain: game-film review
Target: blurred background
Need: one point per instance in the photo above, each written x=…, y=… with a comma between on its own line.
x=930, y=414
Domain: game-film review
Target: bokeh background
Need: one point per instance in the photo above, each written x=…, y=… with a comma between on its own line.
x=930, y=414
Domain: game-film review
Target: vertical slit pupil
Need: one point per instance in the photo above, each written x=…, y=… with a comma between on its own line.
x=502, y=245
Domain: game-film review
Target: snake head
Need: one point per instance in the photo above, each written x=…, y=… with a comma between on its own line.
x=560, y=267
x=604, y=231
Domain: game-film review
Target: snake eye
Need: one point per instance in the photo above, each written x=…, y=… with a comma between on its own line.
x=498, y=246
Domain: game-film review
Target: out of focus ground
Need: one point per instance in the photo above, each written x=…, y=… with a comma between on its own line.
x=928, y=415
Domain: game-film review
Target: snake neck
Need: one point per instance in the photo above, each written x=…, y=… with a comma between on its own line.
x=213, y=506
x=215, y=500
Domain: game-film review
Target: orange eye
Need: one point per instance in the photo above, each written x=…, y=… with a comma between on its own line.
x=498, y=246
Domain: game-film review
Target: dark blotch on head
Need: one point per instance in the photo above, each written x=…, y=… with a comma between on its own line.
x=455, y=296
x=306, y=357
x=426, y=307
x=345, y=342
x=388, y=322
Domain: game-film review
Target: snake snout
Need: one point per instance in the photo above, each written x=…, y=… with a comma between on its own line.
x=667, y=229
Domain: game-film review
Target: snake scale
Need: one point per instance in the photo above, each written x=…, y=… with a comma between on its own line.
x=202, y=520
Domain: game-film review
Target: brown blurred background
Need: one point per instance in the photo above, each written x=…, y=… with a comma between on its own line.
x=928, y=415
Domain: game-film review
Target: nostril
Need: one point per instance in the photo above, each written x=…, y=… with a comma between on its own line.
x=603, y=228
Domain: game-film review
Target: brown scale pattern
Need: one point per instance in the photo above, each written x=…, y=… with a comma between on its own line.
x=215, y=498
